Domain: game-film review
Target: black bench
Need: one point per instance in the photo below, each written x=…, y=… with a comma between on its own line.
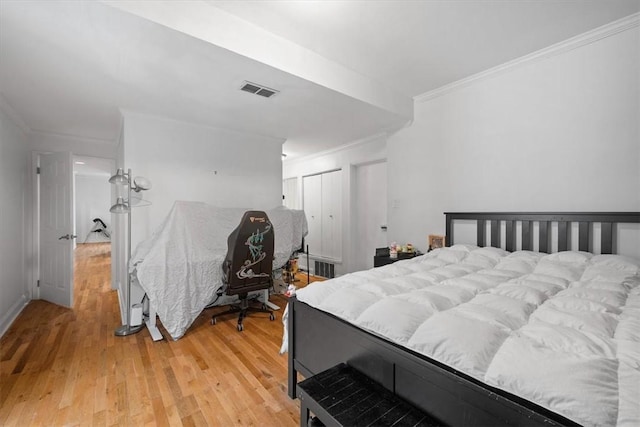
x=342, y=396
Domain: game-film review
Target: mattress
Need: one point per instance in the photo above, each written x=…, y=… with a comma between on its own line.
x=180, y=265
x=561, y=330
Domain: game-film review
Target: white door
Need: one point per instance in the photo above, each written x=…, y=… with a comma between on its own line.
x=332, y=215
x=56, y=228
x=290, y=193
x=371, y=213
x=312, y=195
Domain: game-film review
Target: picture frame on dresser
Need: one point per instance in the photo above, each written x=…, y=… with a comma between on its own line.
x=436, y=241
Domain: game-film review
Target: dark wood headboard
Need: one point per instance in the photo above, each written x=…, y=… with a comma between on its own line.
x=544, y=220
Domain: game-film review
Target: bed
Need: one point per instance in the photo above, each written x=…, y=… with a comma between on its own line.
x=178, y=270
x=481, y=335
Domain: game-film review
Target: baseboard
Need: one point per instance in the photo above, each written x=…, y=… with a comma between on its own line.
x=7, y=320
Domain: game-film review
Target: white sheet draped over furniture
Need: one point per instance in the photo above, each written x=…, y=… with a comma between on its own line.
x=179, y=266
x=561, y=330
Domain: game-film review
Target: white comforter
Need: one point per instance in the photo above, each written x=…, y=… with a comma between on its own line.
x=180, y=265
x=561, y=330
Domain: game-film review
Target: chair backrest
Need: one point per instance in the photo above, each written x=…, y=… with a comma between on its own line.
x=249, y=261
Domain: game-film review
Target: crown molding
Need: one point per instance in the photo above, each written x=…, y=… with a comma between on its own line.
x=13, y=114
x=17, y=119
x=73, y=137
x=578, y=41
x=333, y=150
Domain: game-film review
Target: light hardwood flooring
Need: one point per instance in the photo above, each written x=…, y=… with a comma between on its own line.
x=62, y=366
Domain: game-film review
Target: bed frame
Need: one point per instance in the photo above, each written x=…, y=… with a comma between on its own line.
x=318, y=340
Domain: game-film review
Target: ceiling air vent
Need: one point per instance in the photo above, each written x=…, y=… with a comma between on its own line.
x=256, y=89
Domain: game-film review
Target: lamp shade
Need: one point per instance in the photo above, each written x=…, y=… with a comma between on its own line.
x=141, y=183
x=120, y=207
x=119, y=177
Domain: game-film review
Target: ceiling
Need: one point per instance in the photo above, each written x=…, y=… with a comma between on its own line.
x=418, y=46
x=345, y=69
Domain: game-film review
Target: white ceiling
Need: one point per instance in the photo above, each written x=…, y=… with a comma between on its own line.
x=417, y=46
x=345, y=69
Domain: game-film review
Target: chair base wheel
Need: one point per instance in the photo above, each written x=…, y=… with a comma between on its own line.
x=242, y=310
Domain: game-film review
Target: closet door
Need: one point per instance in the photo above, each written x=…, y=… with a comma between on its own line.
x=332, y=215
x=312, y=205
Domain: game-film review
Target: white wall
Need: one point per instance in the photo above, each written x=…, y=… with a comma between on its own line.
x=14, y=193
x=198, y=163
x=370, y=150
x=93, y=198
x=558, y=134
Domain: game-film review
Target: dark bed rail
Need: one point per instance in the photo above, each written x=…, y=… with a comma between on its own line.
x=545, y=221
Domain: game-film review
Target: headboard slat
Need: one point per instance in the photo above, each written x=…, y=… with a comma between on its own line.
x=495, y=233
x=583, y=236
x=606, y=238
x=563, y=232
x=527, y=236
x=511, y=241
x=543, y=237
x=480, y=234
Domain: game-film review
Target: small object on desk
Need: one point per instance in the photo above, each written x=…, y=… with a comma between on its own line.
x=393, y=250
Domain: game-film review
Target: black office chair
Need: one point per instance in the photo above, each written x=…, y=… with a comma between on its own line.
x=248, y=264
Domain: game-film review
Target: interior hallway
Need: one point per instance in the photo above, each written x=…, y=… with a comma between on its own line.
x=65, y=367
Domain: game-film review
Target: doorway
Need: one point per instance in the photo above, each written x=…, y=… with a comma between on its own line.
x=69, y=194
x=92, y=219
x=92, y=200
x=371, y=213
x=290, y=193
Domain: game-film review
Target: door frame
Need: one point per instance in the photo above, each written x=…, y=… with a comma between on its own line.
x=354, y=246
x=34, y=269
x=35, y=203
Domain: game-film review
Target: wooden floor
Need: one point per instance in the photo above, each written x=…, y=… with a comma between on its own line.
x=62, y=366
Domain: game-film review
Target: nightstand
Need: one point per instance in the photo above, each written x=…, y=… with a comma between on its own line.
x=380, y=260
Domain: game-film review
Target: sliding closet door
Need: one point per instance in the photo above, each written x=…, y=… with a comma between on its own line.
x=322, y=197
x=312, y=205
x=332, y=215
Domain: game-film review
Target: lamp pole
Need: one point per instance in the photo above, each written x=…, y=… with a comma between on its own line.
x=127, y=329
